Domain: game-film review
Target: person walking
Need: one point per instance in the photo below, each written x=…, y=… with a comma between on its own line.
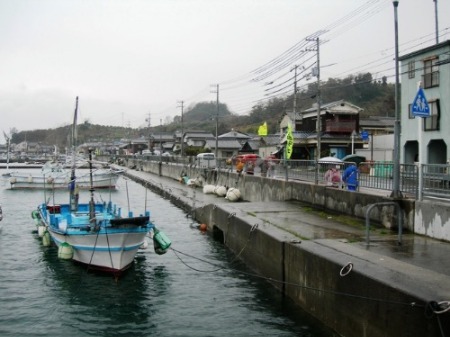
x=350, y=177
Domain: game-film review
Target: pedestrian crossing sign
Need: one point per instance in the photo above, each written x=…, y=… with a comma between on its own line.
x=420, y=107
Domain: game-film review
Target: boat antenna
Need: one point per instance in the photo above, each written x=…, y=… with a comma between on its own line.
x=72, y=184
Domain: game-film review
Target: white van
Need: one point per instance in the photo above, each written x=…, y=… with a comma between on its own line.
x=206, y=160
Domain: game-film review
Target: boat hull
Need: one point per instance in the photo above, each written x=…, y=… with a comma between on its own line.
x=109, y=242
x=106, y=252
x=99, y=181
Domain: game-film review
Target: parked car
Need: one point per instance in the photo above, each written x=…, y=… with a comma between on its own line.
x=245, y=158
x=248, y=161
x=206, y=160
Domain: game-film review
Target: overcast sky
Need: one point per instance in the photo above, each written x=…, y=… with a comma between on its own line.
x=131, y=59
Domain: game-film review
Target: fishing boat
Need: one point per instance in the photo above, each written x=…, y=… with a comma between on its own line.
x=53, y=175
x=98, y=235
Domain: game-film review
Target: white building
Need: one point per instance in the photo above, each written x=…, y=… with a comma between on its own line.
x=431, y=67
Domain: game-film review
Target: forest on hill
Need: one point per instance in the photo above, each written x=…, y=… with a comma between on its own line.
x=376, y=98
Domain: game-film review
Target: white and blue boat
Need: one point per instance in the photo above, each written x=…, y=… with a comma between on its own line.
x=98, y=235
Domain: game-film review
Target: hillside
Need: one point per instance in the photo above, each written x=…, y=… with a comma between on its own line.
x=374, y=97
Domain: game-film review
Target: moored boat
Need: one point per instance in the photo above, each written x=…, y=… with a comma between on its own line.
x=98, y=235
x=54, y=176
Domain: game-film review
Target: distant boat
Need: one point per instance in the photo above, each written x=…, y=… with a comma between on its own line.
x=96, y=234
x=54, y=176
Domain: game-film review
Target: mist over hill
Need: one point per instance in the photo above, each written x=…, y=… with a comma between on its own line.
x=375, y=97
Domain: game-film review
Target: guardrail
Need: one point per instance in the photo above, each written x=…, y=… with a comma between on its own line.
x=373, y=175
x=435, y=180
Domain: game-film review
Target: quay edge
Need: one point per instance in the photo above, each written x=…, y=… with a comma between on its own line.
x=381, y=296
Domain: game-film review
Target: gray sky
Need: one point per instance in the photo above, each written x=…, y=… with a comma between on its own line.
x=130, y=58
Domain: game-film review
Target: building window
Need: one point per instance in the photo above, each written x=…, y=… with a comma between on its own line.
x=410, y=115
x=411, y=69
x=430, y=76
x=432, y=123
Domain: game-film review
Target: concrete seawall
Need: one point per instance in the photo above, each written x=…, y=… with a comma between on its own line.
x=256, y=188
x=308, y=258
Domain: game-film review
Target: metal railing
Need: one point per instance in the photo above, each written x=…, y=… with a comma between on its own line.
x=371, y=175
x=435, y=181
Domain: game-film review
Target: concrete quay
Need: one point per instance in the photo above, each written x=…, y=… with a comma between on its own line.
x=324, y=264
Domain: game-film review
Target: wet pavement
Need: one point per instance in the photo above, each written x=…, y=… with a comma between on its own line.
x=419, y=265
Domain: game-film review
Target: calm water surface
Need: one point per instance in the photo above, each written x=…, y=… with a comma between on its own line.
x=168, y=295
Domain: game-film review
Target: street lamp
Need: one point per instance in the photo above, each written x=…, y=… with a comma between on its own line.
x=396, y=169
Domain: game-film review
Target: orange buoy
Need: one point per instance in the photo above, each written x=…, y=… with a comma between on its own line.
x=203, y=227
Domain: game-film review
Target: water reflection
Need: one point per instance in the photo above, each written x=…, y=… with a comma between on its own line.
x=102, y=304
x=158, y=296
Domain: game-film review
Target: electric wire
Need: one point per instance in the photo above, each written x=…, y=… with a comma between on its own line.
x=363, y=68
x=244, y=100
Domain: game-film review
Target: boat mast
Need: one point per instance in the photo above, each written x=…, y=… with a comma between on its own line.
x=8, y=147
x=72, y=186
x=91, y=189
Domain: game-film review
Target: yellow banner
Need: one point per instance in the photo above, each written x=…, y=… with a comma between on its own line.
x=289, y=142
x=262, y=130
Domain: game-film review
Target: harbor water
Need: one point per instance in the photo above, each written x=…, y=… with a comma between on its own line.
x=198, y=288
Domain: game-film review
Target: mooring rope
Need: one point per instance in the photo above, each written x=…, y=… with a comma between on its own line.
x=433, y=310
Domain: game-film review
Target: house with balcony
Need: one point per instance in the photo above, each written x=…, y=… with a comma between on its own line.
x=339, y=131
x=430, y=67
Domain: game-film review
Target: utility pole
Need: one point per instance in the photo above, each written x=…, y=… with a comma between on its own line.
x=436, y=19
x=295, y=89
x=318, y=126
x=182, y=130
x=316, y=72
x=217, y=119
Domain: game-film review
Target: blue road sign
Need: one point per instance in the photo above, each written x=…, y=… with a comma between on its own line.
x=420, y=107
x=365, y=135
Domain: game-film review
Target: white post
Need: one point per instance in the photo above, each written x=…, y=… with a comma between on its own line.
x=353, y=141
x=420, y=173
x=420, y=148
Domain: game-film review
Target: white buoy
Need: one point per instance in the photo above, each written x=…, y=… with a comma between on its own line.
x=46, y=239
x=41, y=231
x=233, y=194
x=221, y=191
x=208, y=189
x=65, y=251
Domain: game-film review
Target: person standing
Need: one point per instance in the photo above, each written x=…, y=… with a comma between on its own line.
x=333, y=177
x=336, y=179
x=328, y=176
x=350, y=177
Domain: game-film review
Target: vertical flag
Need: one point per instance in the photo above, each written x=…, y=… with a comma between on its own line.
x=262, y=130
x=289, y=142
